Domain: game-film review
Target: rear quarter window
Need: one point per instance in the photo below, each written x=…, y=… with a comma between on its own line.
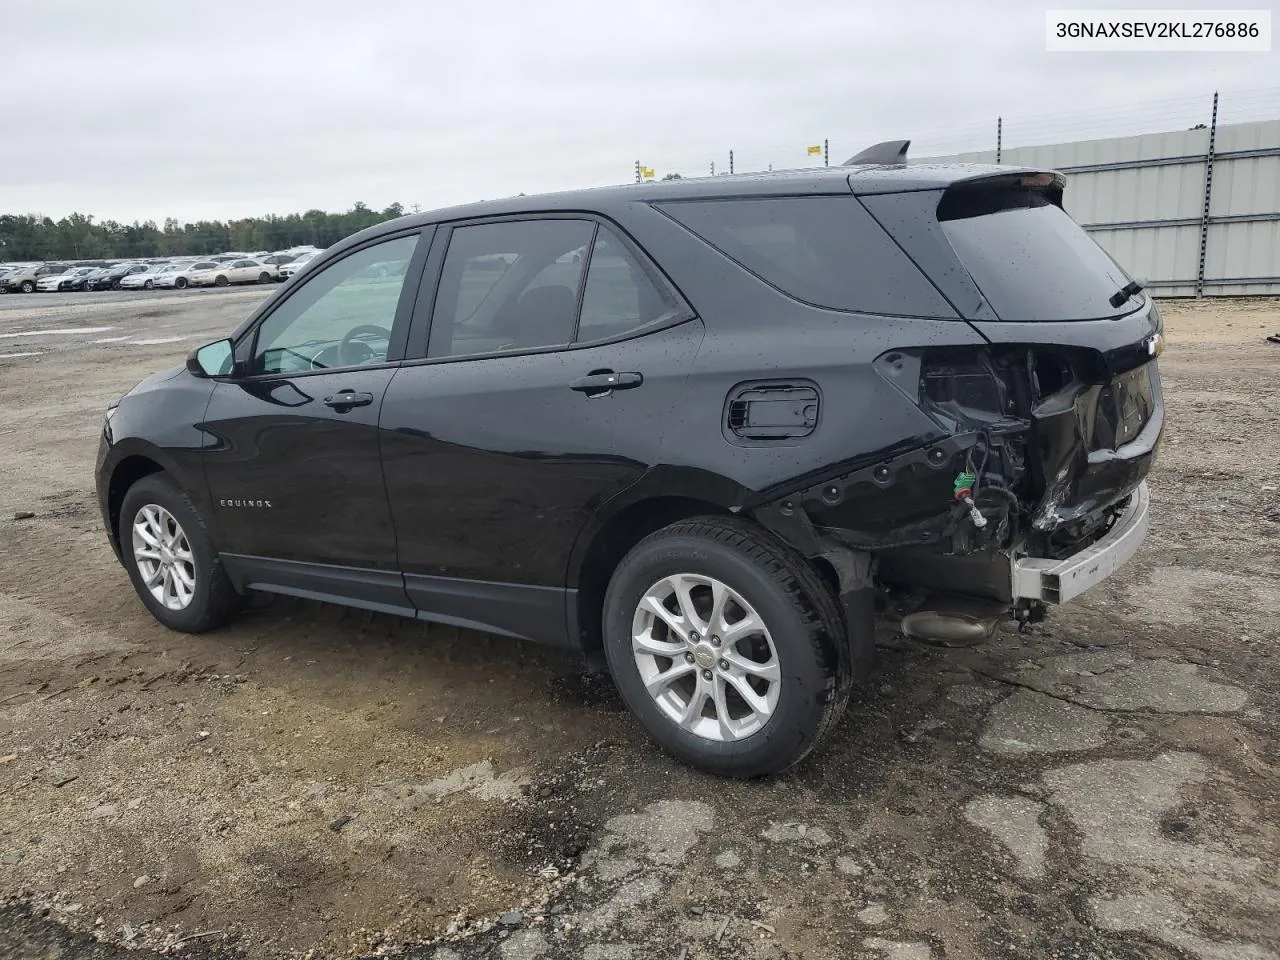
x=824, y=250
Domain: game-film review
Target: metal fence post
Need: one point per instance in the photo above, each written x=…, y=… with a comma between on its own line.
x=1208, y=196
x=999, y=136
x=731, y=161
x=826, y=153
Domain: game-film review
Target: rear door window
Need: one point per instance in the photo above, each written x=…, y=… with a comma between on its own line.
x=510, y=285
x=825, y=250
x=620, y=296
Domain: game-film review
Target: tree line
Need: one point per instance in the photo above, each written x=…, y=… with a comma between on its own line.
x=79, y=237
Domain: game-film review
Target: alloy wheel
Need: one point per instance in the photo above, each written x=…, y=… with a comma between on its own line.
x=163, y=557
x=706, y=657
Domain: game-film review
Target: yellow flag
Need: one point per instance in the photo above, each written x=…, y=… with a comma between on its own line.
x=817, y=148
x=646, y=171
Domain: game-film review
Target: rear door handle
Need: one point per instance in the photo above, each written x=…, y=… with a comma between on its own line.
x=602, y=382
x=348, y=398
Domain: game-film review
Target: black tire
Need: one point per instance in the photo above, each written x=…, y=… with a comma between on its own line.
x=221, y=281
x=115, y=284
x=180, y=283
x=149, y=285
x=264, y=277
x=28, y=286
x=214, y=599
x=801, y=613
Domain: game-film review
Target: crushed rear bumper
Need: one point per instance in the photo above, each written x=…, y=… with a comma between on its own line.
x=1057, y=581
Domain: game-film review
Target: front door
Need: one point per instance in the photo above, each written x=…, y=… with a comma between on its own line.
x=293, y=470
x=554, y=360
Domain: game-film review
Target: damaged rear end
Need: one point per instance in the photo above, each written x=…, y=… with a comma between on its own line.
x=1032, y=487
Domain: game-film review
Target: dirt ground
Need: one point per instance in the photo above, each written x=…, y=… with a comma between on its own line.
x=325, y=783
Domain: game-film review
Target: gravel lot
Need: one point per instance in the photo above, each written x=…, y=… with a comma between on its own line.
x=1104, y=787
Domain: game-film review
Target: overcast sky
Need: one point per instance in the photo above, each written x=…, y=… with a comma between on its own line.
x=135, y=109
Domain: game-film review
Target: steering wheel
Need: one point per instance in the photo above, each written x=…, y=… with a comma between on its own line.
x=346, y=349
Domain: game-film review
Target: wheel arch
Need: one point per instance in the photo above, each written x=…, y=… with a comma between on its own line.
x=130, y=469
x=612, y=539
x=663, y=496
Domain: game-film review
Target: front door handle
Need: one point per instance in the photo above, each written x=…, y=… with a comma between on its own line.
x=602, y=382
x=346, y=399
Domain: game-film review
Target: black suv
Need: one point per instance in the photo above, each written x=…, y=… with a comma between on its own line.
x=110, y=278
x=708, y=432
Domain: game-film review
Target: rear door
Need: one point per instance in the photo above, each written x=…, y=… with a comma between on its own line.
x=293, y=469
x=519, y=421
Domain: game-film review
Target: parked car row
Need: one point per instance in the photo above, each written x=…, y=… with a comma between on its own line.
x=214, y=271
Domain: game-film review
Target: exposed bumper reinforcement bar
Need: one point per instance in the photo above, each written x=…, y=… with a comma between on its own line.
x=1057, y=581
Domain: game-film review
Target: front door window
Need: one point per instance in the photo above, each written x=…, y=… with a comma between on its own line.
x=340, y=317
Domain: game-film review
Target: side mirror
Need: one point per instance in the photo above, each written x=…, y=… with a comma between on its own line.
x=216, y=359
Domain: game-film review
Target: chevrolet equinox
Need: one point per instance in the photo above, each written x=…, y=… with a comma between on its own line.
x=708, y=432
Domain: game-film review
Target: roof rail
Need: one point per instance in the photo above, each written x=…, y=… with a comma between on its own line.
x=891, y=151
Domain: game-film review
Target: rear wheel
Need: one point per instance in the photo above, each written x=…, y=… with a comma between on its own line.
x=727, y=646
x=170, y=558
x=28, y=286
x=148, y=285
x=221, y=281
x=264, y=277
x=180, y=283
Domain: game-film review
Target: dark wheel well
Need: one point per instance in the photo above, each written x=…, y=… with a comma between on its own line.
x=610, y=544
x=127, y=472
x=828, y=573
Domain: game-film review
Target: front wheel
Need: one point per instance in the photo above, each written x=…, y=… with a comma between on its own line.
x=170, y=558
x=264, y=277
x=727, y=645
x=180, y=283
x=28, y=286
x=149, y=285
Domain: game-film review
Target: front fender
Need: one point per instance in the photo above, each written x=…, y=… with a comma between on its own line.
x=159, y=421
